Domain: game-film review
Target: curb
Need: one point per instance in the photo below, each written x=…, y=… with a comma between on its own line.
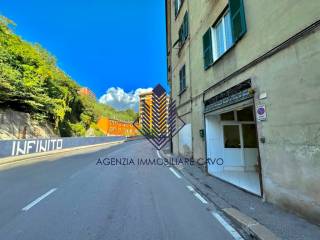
x=9, y=160
x=249, y=225
x=246, y=223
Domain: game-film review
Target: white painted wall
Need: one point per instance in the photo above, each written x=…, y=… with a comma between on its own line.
x=214, y=142
x=185, y=140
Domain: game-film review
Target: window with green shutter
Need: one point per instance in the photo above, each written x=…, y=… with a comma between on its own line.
x=182, y=78
x=186, y=25
x=225, y=33
x=207, y=49
x=176, y=7
x=238, y=20
x=184, y=30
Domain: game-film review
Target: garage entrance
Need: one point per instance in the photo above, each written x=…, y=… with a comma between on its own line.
x=231, y=135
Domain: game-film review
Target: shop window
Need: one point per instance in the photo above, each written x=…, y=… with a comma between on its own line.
x=249, y=136
x=231, y=135
x=229, y=116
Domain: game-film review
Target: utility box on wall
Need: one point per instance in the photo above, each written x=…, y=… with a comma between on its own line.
x=202, y=133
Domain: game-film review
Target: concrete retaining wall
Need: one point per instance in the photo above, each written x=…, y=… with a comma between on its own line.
x=26, y=146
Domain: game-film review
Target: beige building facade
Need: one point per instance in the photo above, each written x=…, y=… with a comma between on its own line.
x=245, y=76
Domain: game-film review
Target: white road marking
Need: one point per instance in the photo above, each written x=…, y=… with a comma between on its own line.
x=75, y=174
x=174, y=172
x=190, y=188
x=30, y=205
x=197, y=195
x=158, y=154
x=227, y=226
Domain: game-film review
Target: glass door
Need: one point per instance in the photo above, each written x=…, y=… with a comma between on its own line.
x=232, y=146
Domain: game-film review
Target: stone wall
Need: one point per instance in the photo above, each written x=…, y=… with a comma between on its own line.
x=19, y=125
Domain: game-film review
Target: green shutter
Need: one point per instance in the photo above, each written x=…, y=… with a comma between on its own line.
x=176, y=7
x=207, y=49
x=181, y=35
x=186, y=26
x=238, y=20
x=182, y=77
x=184, y=31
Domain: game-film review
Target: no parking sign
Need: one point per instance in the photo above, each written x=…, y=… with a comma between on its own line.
x=261, y=112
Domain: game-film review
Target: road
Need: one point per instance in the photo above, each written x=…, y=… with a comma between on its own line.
x=73, y=197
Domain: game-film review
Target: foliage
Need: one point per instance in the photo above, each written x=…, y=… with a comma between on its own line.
x=31, y=81
x=97, y=131
x=77, y=129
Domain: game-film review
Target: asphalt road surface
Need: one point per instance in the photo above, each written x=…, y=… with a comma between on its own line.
x=75, y=197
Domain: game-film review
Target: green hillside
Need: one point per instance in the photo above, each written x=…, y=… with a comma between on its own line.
x=31, y=81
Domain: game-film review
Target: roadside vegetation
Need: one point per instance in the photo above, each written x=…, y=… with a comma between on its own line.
x=31, y=81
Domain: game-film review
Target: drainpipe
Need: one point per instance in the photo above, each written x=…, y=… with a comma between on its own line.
x=188, y=8
x=168, y=31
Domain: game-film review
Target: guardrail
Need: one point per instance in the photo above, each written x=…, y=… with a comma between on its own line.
x=10, y=148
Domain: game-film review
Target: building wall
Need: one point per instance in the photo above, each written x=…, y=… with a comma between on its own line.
x=147, y=99
x=290, y=156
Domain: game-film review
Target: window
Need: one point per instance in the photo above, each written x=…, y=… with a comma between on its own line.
x=249, y=136
x=231, y=135
x=177, y=6
x=228, y=116
x=222, y=36
x=228, y=30
x=184, y=30
x=182, y=77
x=245, y=114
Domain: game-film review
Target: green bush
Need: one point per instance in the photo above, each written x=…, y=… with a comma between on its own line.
x=97, y=131
x=77, y=129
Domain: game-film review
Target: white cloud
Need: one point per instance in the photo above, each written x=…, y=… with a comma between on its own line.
x=121, y=100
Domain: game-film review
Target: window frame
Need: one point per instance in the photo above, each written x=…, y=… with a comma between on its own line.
x=214, y=42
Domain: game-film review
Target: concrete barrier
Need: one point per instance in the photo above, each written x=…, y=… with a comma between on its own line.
x=10, y=148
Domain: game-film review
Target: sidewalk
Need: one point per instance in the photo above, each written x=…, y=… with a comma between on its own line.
x=226, y=196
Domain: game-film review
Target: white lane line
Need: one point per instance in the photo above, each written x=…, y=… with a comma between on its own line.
x=75, y=174
x=197, y=195
x=158, y=154
x=174, y=172
x=190, y=188
x=30, y=205
x=227, y=226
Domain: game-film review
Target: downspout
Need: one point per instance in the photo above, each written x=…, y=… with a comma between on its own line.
x=168, y=50
x=190, y=75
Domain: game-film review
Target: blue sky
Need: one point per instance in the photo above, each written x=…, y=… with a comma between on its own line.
x=99, y=43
